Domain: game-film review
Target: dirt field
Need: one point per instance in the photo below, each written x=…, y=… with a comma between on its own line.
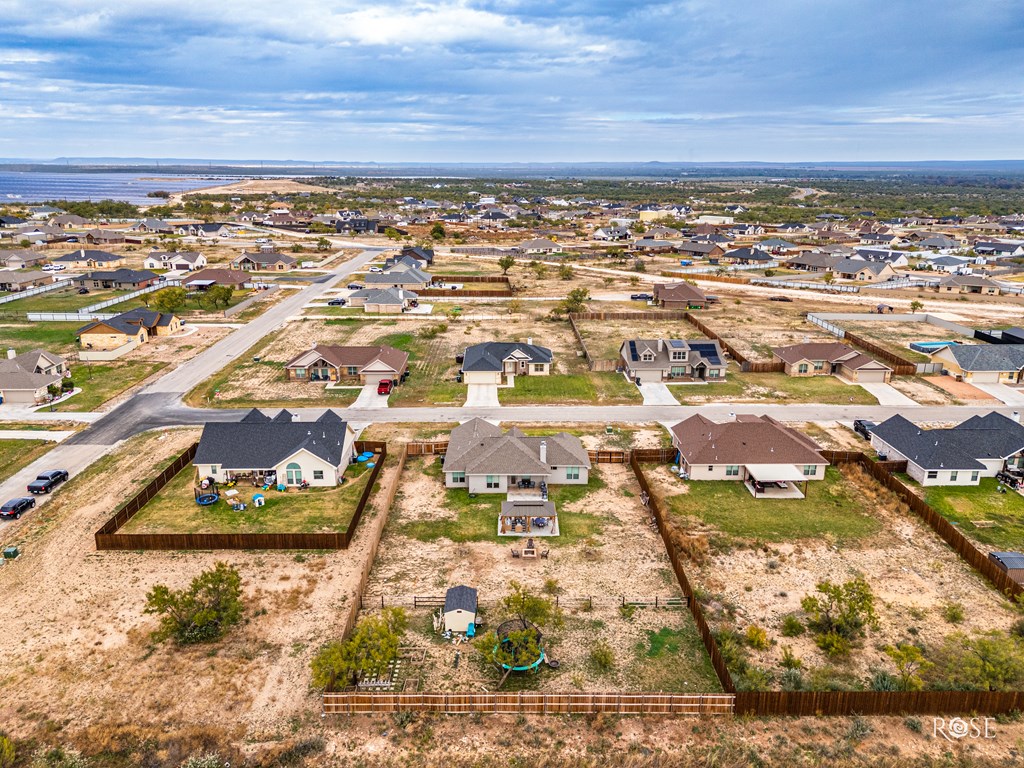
x=256, y=187
x=622, y=556
x=910, y=570
x=897, y=336
x=604, y=337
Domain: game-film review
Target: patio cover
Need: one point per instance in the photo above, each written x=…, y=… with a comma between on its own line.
x=201, y=283
x=774, y=473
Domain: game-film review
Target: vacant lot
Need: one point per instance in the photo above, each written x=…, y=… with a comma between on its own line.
x=16, y=454
x=896, y=336
x=776, y=387
x=993, y=519
x=314, y=510
x=764, y=558
x=54, y=337
x=604, y=337
x=436, y=538
x=102, y=381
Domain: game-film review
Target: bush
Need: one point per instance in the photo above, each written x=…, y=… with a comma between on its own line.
x=602, y=657
x=1017, y=629
x=883, y=681
x=953, y=613
x=753, y=679
x=914, y=724
x=209, y=760
x=833, y=644
x=792, y=626
x=7, y=752
x=67, y=385
x=203, y=612
x=627, y=611
x=789, y=660
x=792, y=680
x=756, y=637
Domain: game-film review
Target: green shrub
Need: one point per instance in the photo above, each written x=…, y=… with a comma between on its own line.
x=753, y=679
x=883, y=681
x=833, y=644
x=1017, y=628
x=792, y=626
x=914, y=724
x=602, y=657
x=627, y=611
x=789, y=660
x=792, y=680
x=204, y=611
x=7, y=752
x=953, y=613
x=756, y=637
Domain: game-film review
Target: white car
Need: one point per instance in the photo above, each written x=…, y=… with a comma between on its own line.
x=376, y=269
x=49, y=267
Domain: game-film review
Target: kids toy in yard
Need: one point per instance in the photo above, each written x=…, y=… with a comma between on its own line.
x=519, y=647
x=207, y=499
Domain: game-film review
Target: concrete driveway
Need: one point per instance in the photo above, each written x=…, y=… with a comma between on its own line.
x=482, y=396
x=1003, y=393
x=657, y=394
x=368, y=398
x=887, y=394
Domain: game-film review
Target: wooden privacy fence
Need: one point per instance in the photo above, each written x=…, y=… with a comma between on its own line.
x=562, y=601
x=900, y=366
x=529, y=703
x=655, y=455
x=426, y=449
x=608, y=457
x=773, y=366
x=107, y=537
x=736, y=355
x=464, y=294
x=813, y=703
x=666, y=314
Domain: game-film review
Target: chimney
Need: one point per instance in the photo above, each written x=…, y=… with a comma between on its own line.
x=661, y=344
x=543, y=452
x=11, y=354
x=529, y=340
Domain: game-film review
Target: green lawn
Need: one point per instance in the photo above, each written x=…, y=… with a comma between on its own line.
x=54, y=337
x=962, y=505
x=17, y=454
x=174, y=509
x=777, y=387
x=477, y=519
x=588, y=387
x=834, y=508
x=674, y=660
x=69, y=300
x=102, y=381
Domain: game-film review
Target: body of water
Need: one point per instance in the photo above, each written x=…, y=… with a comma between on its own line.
x=31, y=187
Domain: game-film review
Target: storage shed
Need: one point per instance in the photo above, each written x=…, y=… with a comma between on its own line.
x=1011, y=562
x=460, y=609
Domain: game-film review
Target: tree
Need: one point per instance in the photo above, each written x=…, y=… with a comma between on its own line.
x=518, y=648
x=372, y=646
x=521, y=603
x=437, y=231
x=506, y=262
x=577, y=300
x=540, y=270
x=220, y=295
x=566, y=272
x=515, y=306
x=169, y=299
x=323, y=244
x=910, y=662
x=916, y=305
x=391, y=233
x=828, y=278
x=988, y=661
x=639, y=266
x=841, y=609
x=201, y=613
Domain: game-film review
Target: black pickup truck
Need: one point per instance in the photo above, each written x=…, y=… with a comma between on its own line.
x=47, y=481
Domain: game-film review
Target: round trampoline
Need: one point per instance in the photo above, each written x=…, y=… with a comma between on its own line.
x=513, y=625
x=206, y=499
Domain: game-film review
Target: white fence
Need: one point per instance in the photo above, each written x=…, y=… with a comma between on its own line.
x=822, y=286
x=67, y=317
x=118, y=299
x=66, y=283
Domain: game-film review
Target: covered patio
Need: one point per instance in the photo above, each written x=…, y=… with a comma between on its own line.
x=775, y=481
x=527, y=517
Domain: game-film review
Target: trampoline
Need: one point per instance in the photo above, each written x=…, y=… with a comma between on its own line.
x=206, y=499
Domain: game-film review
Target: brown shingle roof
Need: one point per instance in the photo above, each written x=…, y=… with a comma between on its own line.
x=342, y=357
x=747, y=440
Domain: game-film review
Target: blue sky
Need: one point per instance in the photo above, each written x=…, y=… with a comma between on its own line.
x=515, y=80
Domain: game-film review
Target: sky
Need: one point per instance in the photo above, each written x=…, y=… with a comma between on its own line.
x=513, y=80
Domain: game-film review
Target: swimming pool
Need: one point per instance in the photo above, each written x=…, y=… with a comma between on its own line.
x=930, y=346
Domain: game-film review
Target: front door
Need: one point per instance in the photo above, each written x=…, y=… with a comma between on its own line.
x=700, y=371
x=293, y=474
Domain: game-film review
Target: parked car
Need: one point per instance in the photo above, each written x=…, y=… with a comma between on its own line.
x=262, y=240
x=337, y=302
x=47, y=481
x=779, y=298
x=864, y=428
x=17, y=507
x=82, y=291
x=376, y=269
x=385, y=386
x=641, y=297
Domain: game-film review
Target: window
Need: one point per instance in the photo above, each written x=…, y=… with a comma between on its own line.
x=953, y=476
x=492, y=481
x=352, y=370
x=572, y=473
x=318, y=474
x=538, y=367
x=300, y=373
x=974, y=477
x=647, y=357
x=714, y=373
x=932, y=474
x=819, y=365
x=677, y=370
x=802, y=368
x=293, y=474
x=458, y=477
x=810, y=470
x=678, y=354
x=732, y=470
x=711, y=467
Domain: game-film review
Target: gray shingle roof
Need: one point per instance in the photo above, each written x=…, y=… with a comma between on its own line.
x=460, y=598
x=988, y=357
x=992, y=436
x=480, y=448
x=489, y=355
x=258, y=442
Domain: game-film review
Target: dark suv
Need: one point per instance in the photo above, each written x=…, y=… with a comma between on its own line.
x=864, y=428
x=47, y=481
x=17, y=507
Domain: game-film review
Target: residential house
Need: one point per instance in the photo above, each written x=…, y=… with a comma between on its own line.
x=399, y=276
x=11, y=222
x=357, y=225
x=811, y=261
x=539, y=245
x=205, y=230
x=43, y=212
x=89, y=259
x=746, y=230
x=136, y=326
x=118, y=279
x=999, y=250
x=887, y=239
x=651, y=245
x=104, y=237
x=680, y=296
x=831, y=358
x=68, y=221
x=612, y=233
x=655, y=360
x=498, y=362
x=794, y=228
x=892, y=258
x=758, y=451
x=662, y=232
x=276, y=450
x=383, y=301
x=483, y=459
x=777, y=245
x=20, y=281
x=980, y=447
x=939, y=243
x=42, y=233
x=982, y=363
x=864, y=271
x=26, y=378
x=154, y=226
x=699, y=250
x=20, y=258
x=328, y=363
x=751, y=255
x=182, y=261
x=969, y=284
x=264, y=262
x=951, y=264
x=203, y=279
x=423, y=255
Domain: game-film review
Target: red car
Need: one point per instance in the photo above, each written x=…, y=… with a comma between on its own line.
x=385, y=386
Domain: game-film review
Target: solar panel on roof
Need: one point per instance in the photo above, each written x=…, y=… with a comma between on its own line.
x=708, y=351
x=677, y=343
x=632, y=351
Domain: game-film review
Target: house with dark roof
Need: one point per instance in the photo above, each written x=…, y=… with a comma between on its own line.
x=155, y=226
x=104, y=236
x=699, y=250
x=655, y=360
x=749, y=256
x=982, y=446
x=831, y=359
x=204, y=278
x=400, y=275
x=982, y=363
x=499, y=362
x=279, y=449
x=136, y=326
x=366, y=365
x=680, y=295
x=118, y=279
x=999, y=250
x=85, y=258
x=484, y=459
x=25, y=379
x=770, y=458
x=383, y=301
x=863, y=270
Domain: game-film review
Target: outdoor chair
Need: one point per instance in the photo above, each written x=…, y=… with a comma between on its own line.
x=515, y=553
x=545, y=553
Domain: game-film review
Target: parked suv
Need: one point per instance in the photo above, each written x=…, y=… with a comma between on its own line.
x=47, y=481
x=864, y=428
x=17, y=507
